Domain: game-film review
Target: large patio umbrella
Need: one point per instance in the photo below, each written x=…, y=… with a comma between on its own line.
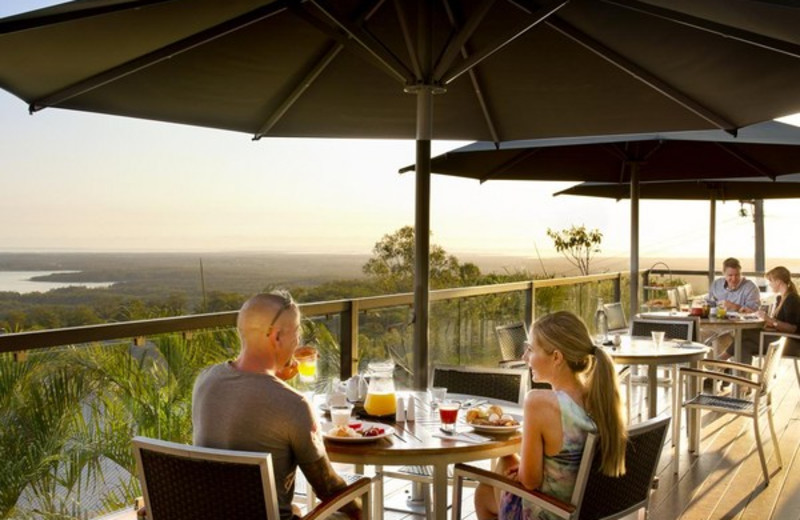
x=764, y=150
x=321, y=68
x=748, y=189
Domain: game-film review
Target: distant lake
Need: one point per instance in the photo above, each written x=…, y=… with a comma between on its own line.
x=20, y=281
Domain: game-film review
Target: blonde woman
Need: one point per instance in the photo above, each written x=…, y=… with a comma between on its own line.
x=785, y=317
x=584, y=398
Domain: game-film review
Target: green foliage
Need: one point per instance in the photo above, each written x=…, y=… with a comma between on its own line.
x=577, y=244
x=392, y=264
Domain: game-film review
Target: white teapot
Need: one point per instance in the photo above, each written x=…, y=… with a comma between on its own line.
x=356, y=388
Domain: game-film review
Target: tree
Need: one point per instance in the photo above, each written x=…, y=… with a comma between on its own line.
x=577, y=245
x=392, y=264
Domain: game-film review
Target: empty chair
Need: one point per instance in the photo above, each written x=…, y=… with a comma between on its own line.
x=180, y=481
x=506, y=384
x=596, y=496
x=616, y=317
x=756, y=404
x=791, y=350
x=676, y=328
x=511, y=339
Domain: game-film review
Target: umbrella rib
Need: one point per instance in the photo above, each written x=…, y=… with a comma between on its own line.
x=457, y=42
x=528, y=22
x=298, y=91
x=476, y=84
x=749, y=161
x=402, y=19
x=640, y=74
x=368, y=42
x=18, y=25
x=525, y=155
x=158, y=55
x=726, y=31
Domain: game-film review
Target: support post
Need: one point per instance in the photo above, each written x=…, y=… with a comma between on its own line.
x=712, y=239
x=634, y=171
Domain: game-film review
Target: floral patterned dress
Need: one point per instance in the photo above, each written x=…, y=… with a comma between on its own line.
x=560, y=470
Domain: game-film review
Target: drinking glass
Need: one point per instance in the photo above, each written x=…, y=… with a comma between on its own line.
x=448, y=414
x=658, y=337
x=306, y=363
x=437, y=394
x=340, y=415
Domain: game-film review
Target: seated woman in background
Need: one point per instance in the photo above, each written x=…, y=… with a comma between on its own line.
x=584, y=398
x=784, y=318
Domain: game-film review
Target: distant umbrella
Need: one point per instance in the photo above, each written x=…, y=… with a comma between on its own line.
x=784, y=187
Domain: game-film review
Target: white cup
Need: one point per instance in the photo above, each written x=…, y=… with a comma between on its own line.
x=437, y=394
x=340, y=415
x=658, y=337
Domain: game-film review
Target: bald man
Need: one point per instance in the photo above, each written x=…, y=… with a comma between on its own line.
x=246, y=405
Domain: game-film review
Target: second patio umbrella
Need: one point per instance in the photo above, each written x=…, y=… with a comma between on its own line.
x=765, y=150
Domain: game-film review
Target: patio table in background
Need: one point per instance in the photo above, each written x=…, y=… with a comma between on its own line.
x=642, y=351
x=415, y=444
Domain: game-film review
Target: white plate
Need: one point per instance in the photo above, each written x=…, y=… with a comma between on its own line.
x=485, y=428
x=387, y=431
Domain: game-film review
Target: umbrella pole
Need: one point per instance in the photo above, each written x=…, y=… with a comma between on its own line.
x=422, y=228
x=758, y=219
x=712, y=239
x=634, y=291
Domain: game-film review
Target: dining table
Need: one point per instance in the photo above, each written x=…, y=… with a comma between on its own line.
x=635, y=350
x=422, y=442
x=733, y=321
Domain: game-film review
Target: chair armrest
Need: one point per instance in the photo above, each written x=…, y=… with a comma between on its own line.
x=741, y=367
x=718, y=376
x=342, y=497
x=554, y=505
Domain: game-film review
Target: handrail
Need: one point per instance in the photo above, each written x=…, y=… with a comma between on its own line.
x=30, y=340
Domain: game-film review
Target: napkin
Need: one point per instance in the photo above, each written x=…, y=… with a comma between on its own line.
x=471, y=438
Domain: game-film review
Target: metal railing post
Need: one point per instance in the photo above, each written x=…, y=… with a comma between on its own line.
x=530, y=305
x=348, y=332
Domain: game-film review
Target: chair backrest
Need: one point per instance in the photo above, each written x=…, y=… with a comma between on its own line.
x=689, y=291
x=616, y=316
x=681, y=329
x=772, y=358
x=188, y=482
x=615, y=497
x=511, y=339
x=507, y=384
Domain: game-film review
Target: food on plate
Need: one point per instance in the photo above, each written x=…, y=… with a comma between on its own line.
x=343, y=431
x=354, y=430
x=490, y=416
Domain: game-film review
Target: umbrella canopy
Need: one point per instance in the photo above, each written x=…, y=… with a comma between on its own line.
x=755, y=189
x=510, y=70
x=785, y=187
x=763, y=151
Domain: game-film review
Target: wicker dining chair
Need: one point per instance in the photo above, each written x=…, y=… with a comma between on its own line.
x=759, y=401
x=511, y=339
x=595, y=496
x=183, y=482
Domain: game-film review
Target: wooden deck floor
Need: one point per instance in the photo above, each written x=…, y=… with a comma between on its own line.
x=724, y=481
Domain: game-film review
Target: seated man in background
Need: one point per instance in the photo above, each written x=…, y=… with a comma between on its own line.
x=245, y=405
x=734, y=292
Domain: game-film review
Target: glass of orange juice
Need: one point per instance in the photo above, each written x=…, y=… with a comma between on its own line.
x=306, y=363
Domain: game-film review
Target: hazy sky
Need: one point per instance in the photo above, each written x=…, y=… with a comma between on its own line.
x=80, y=181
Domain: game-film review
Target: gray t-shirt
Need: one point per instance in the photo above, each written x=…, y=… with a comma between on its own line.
x=256, y=412
x=746, y=293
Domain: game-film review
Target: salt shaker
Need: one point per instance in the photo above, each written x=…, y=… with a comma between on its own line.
x=400, y=414
x=410, y=410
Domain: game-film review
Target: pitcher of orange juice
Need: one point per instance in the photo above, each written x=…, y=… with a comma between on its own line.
x=381, y=399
